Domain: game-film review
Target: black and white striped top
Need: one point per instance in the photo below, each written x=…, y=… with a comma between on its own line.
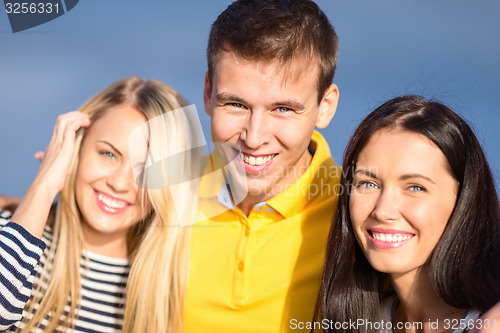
x=22, y=256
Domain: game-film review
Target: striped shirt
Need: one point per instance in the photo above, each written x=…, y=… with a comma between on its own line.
x=22, y=257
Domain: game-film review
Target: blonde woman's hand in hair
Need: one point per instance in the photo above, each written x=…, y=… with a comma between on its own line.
x=59, y=153
x=34, y=208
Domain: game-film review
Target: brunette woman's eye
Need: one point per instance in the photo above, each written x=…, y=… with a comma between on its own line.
x=417, y=188
x=367, y=185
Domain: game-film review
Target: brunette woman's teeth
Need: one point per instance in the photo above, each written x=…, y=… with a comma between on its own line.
x=390, y=238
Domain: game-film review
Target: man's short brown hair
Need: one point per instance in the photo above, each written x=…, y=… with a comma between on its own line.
x=282, y=30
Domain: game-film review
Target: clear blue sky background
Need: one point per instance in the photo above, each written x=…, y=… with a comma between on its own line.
x=448, y=49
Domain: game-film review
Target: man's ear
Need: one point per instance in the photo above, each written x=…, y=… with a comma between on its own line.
x=207, y=95
x=328, y=106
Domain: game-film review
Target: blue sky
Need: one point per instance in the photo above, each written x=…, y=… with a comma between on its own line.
x=448, y=50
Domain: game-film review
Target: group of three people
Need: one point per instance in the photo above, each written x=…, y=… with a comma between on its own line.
x=413, y=213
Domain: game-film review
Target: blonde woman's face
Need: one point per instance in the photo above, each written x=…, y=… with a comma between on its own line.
x=403, y=194
x=106, y=192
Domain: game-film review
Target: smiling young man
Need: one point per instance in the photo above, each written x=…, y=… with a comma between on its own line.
x=256, y=264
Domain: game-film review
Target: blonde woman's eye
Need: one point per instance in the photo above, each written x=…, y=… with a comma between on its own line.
x=107, y=154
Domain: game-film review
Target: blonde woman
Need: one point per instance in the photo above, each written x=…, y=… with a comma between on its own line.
x=110, y=236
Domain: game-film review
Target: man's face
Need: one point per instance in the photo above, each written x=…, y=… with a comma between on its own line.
x=267, y=117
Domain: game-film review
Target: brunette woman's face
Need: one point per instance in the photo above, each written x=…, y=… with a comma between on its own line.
x=106, y=192
x=403, y=194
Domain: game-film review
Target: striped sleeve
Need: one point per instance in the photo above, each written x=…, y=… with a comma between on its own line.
x=19, y=255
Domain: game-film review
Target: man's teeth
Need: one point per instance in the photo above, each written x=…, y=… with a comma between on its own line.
x=110, y=202
x=256, y=160
x=391, y=238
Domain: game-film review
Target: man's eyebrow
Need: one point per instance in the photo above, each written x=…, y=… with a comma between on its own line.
x=297, y=106
x=112, y=147
x=416, y=175
x=223, y=98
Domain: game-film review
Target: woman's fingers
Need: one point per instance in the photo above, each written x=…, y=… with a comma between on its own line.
x=59, y=153
x=71, y=128
x=67, y=123
x=65, y=130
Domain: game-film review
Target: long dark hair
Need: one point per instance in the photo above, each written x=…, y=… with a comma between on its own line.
x=465, y=264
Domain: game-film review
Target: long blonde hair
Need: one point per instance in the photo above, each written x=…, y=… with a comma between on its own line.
x=158, y=246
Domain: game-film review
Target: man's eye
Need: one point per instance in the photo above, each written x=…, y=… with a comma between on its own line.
x=283, y=109
x=236, y=105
